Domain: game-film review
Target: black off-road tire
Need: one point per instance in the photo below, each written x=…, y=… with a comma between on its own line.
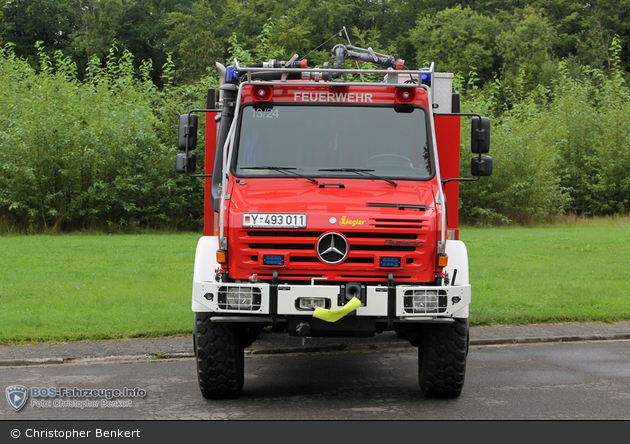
x=220, y=358
x=442, y=356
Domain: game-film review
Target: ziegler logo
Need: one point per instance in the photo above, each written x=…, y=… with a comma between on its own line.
x=399, y=243
x=351, y=222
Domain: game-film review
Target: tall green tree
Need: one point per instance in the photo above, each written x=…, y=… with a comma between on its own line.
x=457, y=40
x=526, y=47
x=191, y=40
x=136, y=26
x=28, y=21
x=3, y=25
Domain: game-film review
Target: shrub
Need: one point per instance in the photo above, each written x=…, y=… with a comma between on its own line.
x=87, y=154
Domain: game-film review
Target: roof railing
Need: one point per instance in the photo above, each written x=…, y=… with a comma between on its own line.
x=400, y=72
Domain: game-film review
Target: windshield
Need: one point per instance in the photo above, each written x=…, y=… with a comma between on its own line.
x=332, y=141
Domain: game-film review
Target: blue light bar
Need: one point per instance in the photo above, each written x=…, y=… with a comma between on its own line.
x=390, y=262
x=425, y=79
x=231, y=74
x=273, y=259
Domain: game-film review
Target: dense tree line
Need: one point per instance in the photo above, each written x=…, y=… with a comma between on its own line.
x=91, y=90
x=497, y=37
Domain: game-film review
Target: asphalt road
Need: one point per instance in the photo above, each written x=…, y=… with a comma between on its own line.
x=587, y=380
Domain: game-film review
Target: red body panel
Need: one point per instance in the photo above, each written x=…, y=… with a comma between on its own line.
x=325, y=93
x=372, y=232
x=447, y=133
x=211, y=146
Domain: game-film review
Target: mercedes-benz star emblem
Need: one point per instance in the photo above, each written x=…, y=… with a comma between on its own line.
x=332, y=248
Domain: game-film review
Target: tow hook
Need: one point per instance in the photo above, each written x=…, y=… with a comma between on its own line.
x=303, y=329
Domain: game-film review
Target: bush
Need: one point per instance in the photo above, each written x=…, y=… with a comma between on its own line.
x=92, y=154
x=559, y=150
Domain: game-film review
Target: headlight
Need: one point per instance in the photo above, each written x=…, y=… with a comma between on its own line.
x=425, y=301
x=239, y=298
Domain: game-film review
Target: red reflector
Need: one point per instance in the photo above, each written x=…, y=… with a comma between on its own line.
x=262, y=93
x=405, y=95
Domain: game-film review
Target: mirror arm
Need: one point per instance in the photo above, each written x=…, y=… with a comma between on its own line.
x=458, y=114
x=463, y=115
x=460, y=179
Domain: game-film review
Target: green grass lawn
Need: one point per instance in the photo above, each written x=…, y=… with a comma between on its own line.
x=577, y=272
x=81, y=287
x=72, y=287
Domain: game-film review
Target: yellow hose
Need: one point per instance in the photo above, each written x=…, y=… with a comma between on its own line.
x=335, y=315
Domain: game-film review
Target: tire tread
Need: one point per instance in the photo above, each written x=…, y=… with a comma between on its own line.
x=219, y=358
x=442, y=359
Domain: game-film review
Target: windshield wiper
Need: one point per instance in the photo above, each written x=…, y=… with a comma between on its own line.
x=284, y=170
x=359, y=171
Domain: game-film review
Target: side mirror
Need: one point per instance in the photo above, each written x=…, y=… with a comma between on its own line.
x=186, y=163
x=480, y=135
x=481, y=166
x=187, y=134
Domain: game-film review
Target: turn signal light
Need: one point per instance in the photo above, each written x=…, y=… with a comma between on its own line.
x=262, y=93
x=222, y=256
x=442, y=260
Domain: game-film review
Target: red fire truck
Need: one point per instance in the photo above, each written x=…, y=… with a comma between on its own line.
x=331, y=210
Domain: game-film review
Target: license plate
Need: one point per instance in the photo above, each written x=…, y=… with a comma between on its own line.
x=274, y=220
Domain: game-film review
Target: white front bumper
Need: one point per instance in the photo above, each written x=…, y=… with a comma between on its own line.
x=453, y=300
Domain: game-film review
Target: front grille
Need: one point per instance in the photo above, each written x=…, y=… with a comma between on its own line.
x=399, y=223
x=280, y=246
x=350, y=260
x=359, y=243
x=409, y=238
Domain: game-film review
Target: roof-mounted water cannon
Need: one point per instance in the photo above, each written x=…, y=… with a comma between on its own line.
x=255, y=71
x=341, y=53
x=339, y=56
x=303, y=64
x=370, y=56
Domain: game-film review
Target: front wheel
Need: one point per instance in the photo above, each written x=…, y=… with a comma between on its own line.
x=220, y=358
x=442, y=356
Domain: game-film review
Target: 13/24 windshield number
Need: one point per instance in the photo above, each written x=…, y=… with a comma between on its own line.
x=269, y=113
